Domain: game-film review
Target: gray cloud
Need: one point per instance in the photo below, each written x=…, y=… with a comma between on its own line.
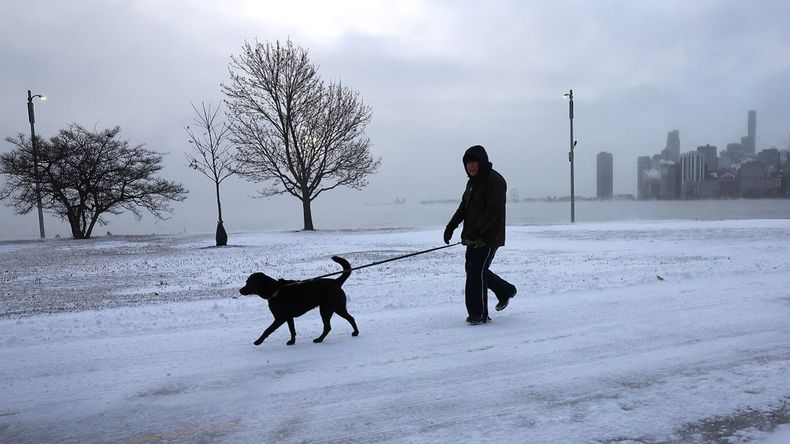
x=440, y=76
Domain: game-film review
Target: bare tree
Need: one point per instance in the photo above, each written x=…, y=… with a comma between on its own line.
x=214, y=157
x=85, y=175
x=294, y=132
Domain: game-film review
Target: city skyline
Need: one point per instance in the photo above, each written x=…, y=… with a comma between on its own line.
x=738, y=171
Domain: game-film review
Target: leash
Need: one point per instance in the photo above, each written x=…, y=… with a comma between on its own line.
x=381, y=262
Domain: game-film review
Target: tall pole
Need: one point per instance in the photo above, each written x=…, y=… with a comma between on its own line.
x=570, y=156
x=31, y=116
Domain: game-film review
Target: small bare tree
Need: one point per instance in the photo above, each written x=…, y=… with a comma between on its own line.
x=215, y=158
x=293, y=131
x=86, y=175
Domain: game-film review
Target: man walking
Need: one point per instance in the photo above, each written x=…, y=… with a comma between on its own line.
x=482, y=211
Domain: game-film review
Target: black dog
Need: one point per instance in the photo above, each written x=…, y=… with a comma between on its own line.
x=291, y=299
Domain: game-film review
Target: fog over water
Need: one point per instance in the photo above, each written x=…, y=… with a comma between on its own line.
x=352, y=215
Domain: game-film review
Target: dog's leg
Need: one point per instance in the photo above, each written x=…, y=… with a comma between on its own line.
x=292, y=327
x=343, y=313
x=275, y=325
x=326, y=315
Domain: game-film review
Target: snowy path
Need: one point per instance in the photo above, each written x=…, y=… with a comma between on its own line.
x=594, y=348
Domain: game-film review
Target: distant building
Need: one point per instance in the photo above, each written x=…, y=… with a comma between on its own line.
x=670, y=181
x=753, y=179
x=605, y=174
x=746, y=144
x=672, y=151
x=648, y=178
x=737, y=171
x=785, y=172
x=693, y=174
x=771, y=159
x=692, y=167
x=729, y=187
x=732, y=156
x=751, y=135
x=710, y=160
x=749, y=141
x=642, y=166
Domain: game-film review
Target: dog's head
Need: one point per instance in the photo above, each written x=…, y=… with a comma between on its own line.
x=260, y=284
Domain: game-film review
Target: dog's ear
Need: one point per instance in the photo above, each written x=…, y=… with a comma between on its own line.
x=265, y=285
x=255, y=284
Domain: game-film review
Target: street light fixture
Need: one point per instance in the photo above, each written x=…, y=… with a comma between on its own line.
x=569, y=95
x=32, y=117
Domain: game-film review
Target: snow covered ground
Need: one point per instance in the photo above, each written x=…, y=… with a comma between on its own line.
x=672, y=331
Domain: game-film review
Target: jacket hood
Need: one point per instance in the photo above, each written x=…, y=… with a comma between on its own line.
x=479, y=154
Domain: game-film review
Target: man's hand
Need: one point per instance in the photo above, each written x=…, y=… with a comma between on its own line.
x=474, y=243
x=473, y=239
x=448, y=234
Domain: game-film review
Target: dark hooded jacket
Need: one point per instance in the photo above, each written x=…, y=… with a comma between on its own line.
x=482, y=208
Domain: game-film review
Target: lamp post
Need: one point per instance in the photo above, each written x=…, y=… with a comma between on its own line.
x=569, y=95
x=32, y=117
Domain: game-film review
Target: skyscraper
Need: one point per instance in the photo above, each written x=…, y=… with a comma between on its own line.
x=692, y=167
x=752, y=133
x=710, y=159
x=642, y=167
x=692, y=183
x=672, y=151
x=771, y=159
x=605, y=168
x=670, y=181
x=649, y=176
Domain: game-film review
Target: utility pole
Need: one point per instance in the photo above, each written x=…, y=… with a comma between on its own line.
x=32, y=118
x=569, y=95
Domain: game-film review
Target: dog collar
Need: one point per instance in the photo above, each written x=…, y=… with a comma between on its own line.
x=275, y=294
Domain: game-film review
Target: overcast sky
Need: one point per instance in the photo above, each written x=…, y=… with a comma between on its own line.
x=440, y=76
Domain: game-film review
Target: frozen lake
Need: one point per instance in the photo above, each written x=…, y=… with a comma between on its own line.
x=350, y=211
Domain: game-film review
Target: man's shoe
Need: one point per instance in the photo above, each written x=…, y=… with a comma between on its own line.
x=475, y=320
x=503, y=304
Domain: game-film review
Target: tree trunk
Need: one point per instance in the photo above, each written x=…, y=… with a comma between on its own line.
x=219, y=205
x=76, y=233
x=74, y=224
x=222, y=235
x=308, y=214
x=89, y=229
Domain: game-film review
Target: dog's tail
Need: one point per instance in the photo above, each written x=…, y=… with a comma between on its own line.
x=346, y=267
